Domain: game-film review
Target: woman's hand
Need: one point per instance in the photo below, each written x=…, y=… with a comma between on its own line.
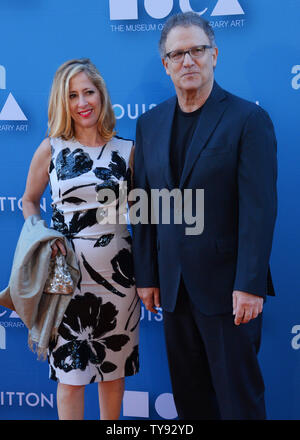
x=58, y=246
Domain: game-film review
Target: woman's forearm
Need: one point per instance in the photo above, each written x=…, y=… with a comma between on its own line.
x=30, y=208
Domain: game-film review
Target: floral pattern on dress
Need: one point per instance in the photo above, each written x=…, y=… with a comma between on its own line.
x=86, y=327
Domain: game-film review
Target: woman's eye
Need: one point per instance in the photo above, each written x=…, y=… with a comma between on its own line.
x=72, y=95
x=90, y=92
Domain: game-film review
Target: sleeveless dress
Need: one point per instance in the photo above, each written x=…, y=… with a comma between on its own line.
x=99, y=334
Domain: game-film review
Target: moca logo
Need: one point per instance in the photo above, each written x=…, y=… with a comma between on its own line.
x=296, y=78
x=2, y=78
x=11, y=110
x=2, y=338
x=128, y=9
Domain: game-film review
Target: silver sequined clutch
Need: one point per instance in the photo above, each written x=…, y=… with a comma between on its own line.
x=59, y=279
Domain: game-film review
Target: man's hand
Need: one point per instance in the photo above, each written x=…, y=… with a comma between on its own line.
x=150, y=297
x=246, y=306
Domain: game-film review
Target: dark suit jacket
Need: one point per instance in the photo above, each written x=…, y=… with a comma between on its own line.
x=232, y=157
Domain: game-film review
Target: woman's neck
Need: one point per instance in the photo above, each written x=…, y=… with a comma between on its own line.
x=89, y=136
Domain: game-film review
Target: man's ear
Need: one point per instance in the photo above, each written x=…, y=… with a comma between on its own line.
x=165, y=64
x=215, y=56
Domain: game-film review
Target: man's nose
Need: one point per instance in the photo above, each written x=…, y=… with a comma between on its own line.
x=187, y=59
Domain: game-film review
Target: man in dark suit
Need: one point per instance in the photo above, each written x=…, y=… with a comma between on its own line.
x=211, y=286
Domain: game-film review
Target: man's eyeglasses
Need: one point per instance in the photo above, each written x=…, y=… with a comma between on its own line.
x=177, y=56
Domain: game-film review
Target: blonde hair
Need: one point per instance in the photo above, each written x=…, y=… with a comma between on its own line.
x=60, y=122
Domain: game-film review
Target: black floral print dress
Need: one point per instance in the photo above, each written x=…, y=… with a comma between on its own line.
x=98, y=337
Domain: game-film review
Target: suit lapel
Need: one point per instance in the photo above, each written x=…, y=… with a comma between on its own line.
x=210, y=116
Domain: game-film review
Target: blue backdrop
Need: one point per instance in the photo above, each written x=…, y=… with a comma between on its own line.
x=259, y=60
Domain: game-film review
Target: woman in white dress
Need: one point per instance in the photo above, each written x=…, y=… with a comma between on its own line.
x=98, y=337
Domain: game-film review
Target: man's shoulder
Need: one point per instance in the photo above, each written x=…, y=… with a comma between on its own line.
x=246, y=111
x=240, y=102
x=243, y=106
x=158, y=110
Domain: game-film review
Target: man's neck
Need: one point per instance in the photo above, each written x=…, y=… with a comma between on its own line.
x=191, y=100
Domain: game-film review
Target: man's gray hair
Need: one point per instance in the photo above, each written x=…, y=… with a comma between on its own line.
x=185, y=19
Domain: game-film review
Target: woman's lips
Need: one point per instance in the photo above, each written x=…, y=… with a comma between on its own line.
x=85, y=113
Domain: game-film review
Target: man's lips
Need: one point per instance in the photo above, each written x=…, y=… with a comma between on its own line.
x=85, y=113
x=190, y=73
